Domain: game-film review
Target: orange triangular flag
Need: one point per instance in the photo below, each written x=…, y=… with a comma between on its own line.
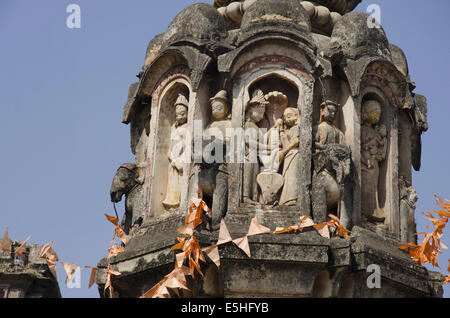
x=121, y=234
x=256, y=228
x=323, y=230
x=187, y=229
x=447, y=280
x=306, y=221
x=52, y=267
x=213, y=253
x=173, y=281
x=281, y=230
x=112, y=219
x=92, y=279
x=180, y=259
x=115, y=250
x=196, y=201
x=70, y=270
x=21, y=248
x=6, y=243
x=224, y=234
x=242, y=243
x=48, y=252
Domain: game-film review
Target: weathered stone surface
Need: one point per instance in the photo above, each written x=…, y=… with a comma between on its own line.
x=356, y=39
x=26, y=275
x=283, y=16
x=271, y=64
x=199, y=22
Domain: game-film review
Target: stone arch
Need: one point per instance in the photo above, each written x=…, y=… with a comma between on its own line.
x=386, y=76
x=298, y=82
x=388, y=174
x=323, y=285
x=346, y=286
x=162, y=123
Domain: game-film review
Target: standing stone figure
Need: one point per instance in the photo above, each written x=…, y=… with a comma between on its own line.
x=408, y=199
x=289, y=137
x=255, y=111
x=213, y=176
x=332, y=162
x=176, y=153
x=373, y=152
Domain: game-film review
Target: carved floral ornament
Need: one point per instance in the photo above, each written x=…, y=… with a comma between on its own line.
x=387, y=78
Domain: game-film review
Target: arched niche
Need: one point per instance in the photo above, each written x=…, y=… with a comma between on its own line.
x=298, y=86
x=271, y=83
x=162, y=124
x=388, y=195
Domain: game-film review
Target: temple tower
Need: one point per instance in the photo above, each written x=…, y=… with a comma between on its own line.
x=336, y=117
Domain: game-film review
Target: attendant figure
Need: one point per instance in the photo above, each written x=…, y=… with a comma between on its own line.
x=255, y=111
x=289, y=155
x=373, y=152
x=327, y=133
x=176, y=154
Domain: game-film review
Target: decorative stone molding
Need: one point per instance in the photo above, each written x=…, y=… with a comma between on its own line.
x=388, y=79
x=322, y=18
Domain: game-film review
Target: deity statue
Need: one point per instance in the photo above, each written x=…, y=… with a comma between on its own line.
x=176, y=154
x=255, y=112
x=327, y=133
x=219, y=110
x=332, y=162
x=271, y=157
x=213, y=176
x=289, y=137
x=373, y=152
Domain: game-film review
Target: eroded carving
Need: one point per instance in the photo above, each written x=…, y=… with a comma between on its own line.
x=332, y=166
x=408, y=199
x=213, y=175
x=373, y=153
x=128, y=181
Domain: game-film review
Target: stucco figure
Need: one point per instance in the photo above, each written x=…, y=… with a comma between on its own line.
x=176, y=154
x=373, y=152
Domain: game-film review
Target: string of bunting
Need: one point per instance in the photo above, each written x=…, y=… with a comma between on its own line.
x=192, y=254
x=429, y=249
x=51, y=257
x=188, y=260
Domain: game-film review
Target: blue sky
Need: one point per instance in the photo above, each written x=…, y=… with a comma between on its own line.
x=61, y=100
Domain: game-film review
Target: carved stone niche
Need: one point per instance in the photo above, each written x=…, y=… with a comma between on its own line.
x=273, y=78
x=378, y=163
x=163, y=125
